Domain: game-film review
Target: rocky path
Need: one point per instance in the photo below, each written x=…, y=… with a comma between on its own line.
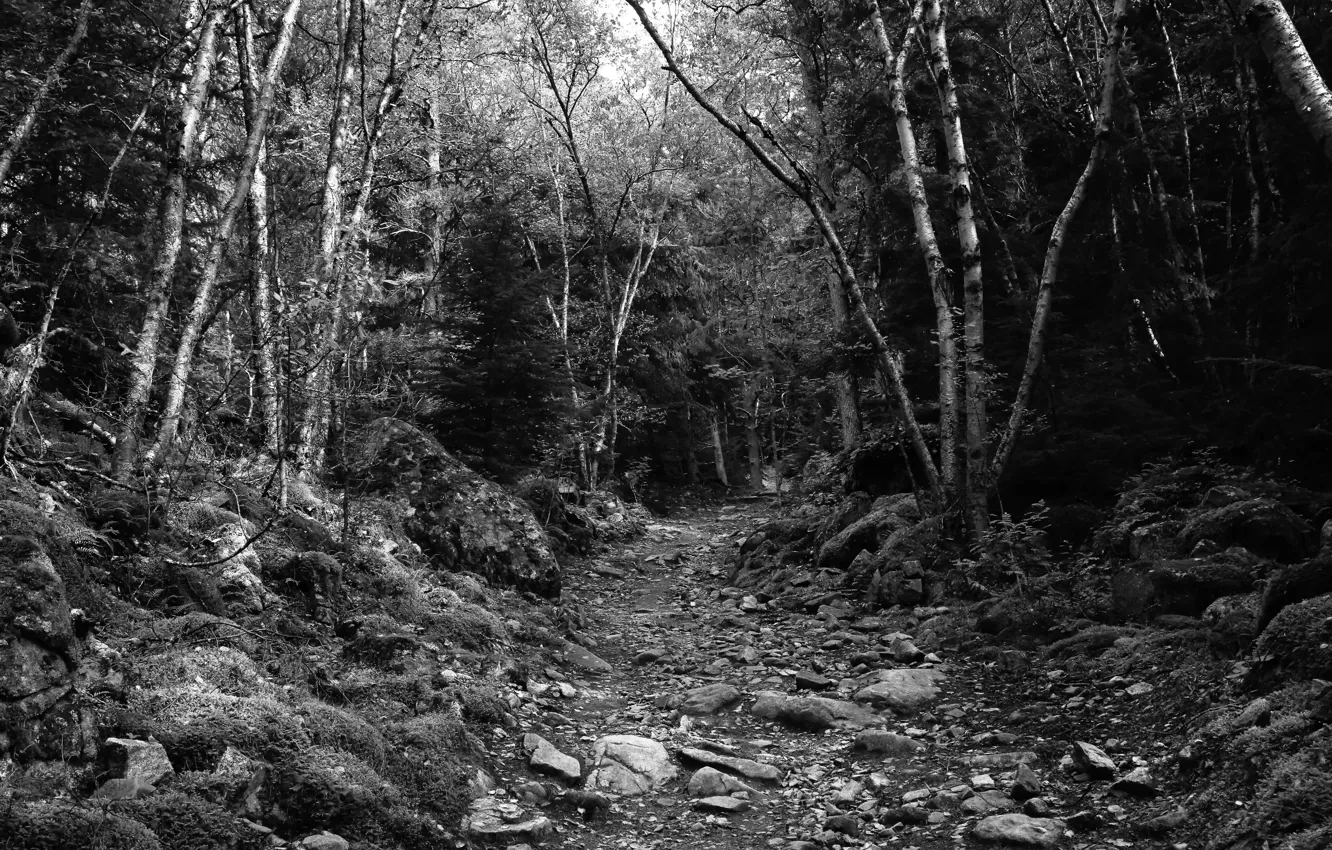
x=686, y=713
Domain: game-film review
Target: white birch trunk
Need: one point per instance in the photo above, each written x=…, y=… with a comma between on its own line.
x=28, y=122
x=171, y=219
x=203, y=297
x=1054, y=249
x=973, y=285
x=1300, y=80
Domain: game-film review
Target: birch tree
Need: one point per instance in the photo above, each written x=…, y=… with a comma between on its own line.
x=181, y=370
x=171, y=220
x=1300, y=80
x=23, y=129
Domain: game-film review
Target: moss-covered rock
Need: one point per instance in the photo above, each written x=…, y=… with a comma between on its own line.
x=182, y=821
x=1298, y=641
x=461, y=520
x=62, y=825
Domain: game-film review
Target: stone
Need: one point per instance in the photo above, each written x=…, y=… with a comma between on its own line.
x=1019, y=829
x=710, y=699
x=1001, y=761
x=545, y=757
x=1136, y=783
x=710, y=782
x=730, y=805
x=1162, y=824
x=903, y=690
x=585, y=660
x=1139, y=689
x=1084, y=821
x=1036, y=807
x=808, y=680
x=974, y=806
x=905, y=652
x=1256, y=713
x=747, y=768
x=649, y=656
x=1182, y=586
x=629, y=765
x=38, y=654
x=888, y=743
x=997, y=799
x=490, y=819
x=460, y=520
x=843, y=824
x=1026, y=784
x=532, y=793
x=849, y=792
x=982, y=782
x=1092, y=760
x=126, y=758
x=1263, y=526
x=324, y=841
x=812, y=713
x=318, y=576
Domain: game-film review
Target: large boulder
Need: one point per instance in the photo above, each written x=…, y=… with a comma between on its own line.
x=39, y=654
x=1263, y=526
x=459, y=519
x=1186, y=586
x=888, y=516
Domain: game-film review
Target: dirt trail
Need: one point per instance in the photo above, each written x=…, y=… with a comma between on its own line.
x=665, y=595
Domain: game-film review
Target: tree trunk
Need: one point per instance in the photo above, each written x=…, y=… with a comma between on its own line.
x=1187, y=145
x=894, y=64
x=718, y=450
x=262, y=268
x=312, y=435
x=191, y=333
x=1300, y=80
x=25, y=125
x=1054, y=249
x=753, y=437
x=433, y=221
x=973, y=286
x=171, y=220
x=844, y=384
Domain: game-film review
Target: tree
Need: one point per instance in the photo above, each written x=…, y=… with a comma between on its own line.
x=1300, y=80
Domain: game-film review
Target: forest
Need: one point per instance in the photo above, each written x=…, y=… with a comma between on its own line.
x=351, y=335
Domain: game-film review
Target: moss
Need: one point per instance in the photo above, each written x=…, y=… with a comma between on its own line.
x=196, y=726
x=1317, y=838
x=1298, y=641
x=201, y=517
x=222, y=668
x=1298, y=792
x=317, y=789
x=481, y=705
x=197, y=628
x=466, y=625
x=341, y=730
x=182, y=821
x=61, y=825
x=432, y=758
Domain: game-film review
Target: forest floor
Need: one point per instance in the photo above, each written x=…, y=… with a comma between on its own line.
x=659, y=614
